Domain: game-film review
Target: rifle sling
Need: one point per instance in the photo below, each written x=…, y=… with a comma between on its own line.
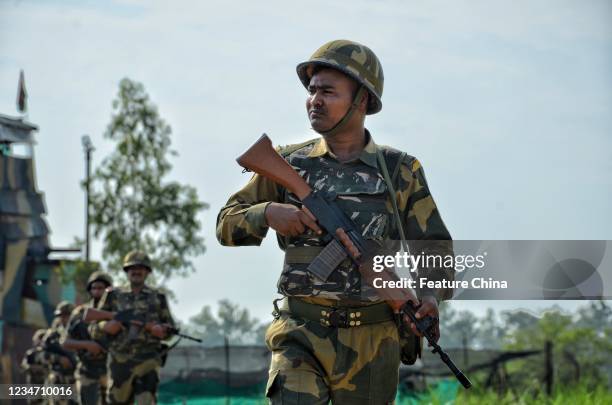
x=393, y=196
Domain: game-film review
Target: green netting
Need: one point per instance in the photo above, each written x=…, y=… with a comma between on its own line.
x=173, y=392
x=443, y=392
x=210, y=393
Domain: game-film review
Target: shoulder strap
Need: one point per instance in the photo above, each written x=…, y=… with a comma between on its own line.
x=385, y=173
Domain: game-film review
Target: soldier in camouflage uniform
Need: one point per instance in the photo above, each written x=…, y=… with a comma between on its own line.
x=34, y=363
x=136, y=352
x=335, y=339
x=61, y=362
x=91, y=376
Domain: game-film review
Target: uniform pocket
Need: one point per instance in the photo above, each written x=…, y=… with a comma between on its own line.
x=368, y=212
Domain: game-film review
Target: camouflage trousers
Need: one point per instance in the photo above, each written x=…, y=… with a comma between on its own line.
x=314, y=364
x=91, y=391
x=133, y=380
x=35, y=377
x=58, y=377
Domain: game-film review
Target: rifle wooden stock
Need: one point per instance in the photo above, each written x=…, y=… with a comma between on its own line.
x=95, y=315
x=261, y=158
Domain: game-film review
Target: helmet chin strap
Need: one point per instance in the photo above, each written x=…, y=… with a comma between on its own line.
x=344, y=120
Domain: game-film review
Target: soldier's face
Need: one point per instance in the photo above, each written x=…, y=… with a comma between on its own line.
x=330, y=94
x=97, y=289
x=137, y=274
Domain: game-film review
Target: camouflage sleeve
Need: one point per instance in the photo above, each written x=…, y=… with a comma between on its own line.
x=108, y=302
x=241, y=222
x=51, y=337
x=68, y=332
x=165, y=316
x=425, y=230
x=96, y=331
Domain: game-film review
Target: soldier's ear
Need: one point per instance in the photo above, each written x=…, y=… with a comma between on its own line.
x=363, y=103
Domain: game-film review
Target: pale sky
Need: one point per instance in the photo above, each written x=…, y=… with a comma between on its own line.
x=506, y=104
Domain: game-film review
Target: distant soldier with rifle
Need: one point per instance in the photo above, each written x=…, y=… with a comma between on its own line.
x=33, y=363
x=335, y=336
x=62, y=362
x=136, y=319
x=91, y=375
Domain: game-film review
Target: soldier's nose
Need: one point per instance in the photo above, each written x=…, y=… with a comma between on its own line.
x=317, y=100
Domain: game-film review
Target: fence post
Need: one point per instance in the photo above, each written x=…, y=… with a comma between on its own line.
x=549, y=367
x=227, y=371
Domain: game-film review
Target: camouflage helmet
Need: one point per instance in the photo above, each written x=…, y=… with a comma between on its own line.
x=353, y=59
x=38, y=336
x=136, y=258
x=63, y=308
x=99, y=276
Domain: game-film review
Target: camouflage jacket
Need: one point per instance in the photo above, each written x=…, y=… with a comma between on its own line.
x=53, y=351
x=362, y=194
x=148, y=303
x=34, y=365
x=77, y=329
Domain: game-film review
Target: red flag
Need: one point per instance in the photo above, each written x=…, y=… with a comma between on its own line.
x=22, y=95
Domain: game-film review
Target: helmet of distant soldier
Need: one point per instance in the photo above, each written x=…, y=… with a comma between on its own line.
x=353, y=59
x=136, y=258
x=99, y=276
x=38, y=336
x=63, y=308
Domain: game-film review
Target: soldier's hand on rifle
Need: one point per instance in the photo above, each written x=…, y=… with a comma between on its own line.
x=112, y=327
x=94, y=348
x=428, y=307
x=159, y=330
x=289, y=220
x=346, y=241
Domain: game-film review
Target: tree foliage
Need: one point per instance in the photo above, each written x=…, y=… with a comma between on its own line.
x=133, y=206
x=582, y=344
x=231, y=321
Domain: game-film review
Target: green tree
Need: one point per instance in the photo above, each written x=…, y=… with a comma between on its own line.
x=490, y=332
x=232, y=321
x=133, y=206
x=580, y=351
x=457, y=327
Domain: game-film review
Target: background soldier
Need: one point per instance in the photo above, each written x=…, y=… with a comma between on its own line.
x=61, y=362
x=136, y=350
x=91, y=377
x=34, y=363
x=334, y=339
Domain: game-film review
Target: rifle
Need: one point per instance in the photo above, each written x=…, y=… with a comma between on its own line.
x=129, y=319
x=77, y=329
x=177, y=332
x=262, y=159
x=52, y=345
